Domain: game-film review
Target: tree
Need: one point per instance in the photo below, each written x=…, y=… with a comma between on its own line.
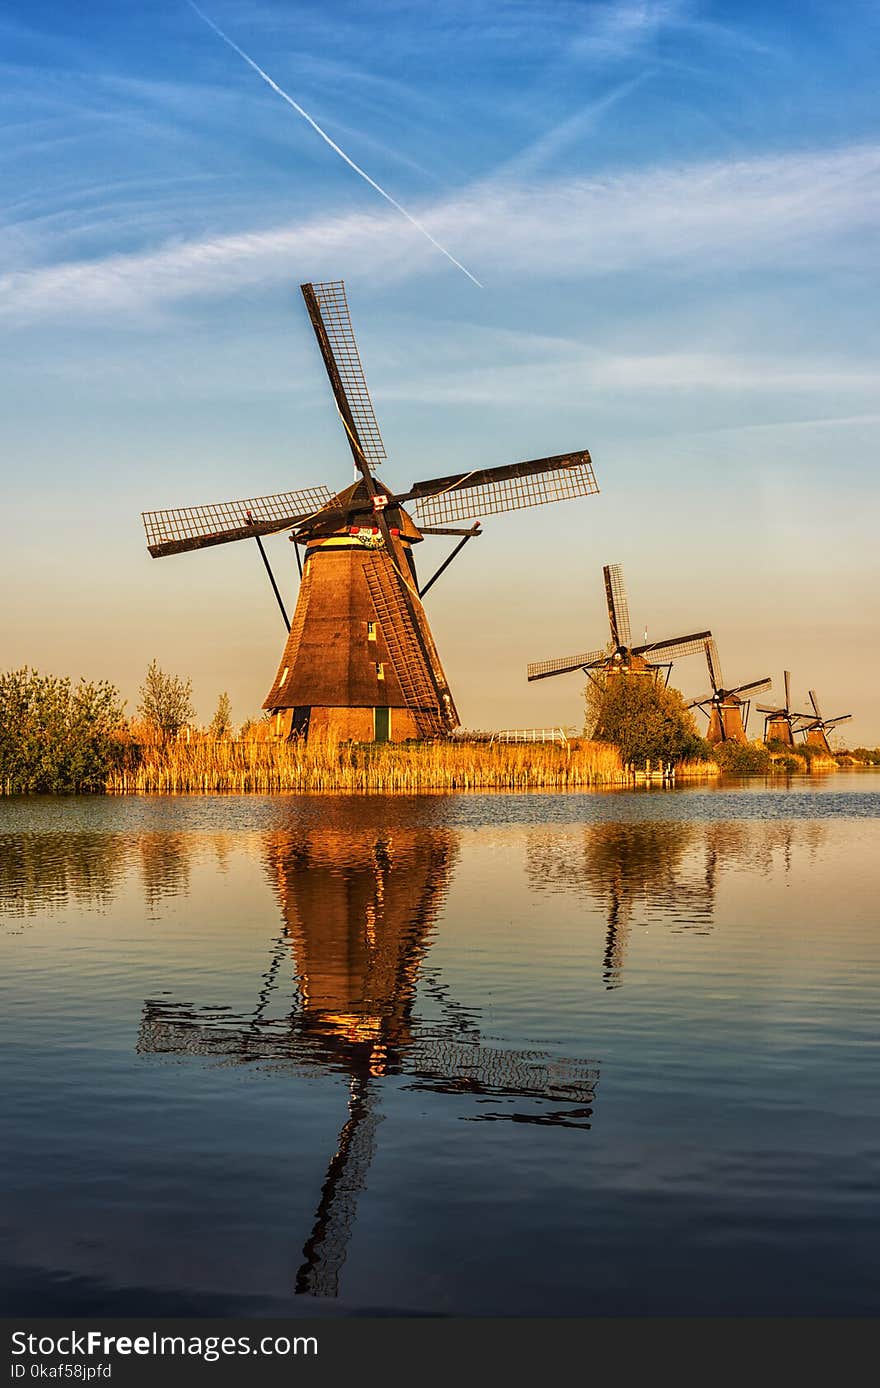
x=221, y=723
x=166, y=701
x=56, y=736
x=644, y=718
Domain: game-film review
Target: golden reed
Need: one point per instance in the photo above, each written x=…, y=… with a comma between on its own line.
x=205, y=765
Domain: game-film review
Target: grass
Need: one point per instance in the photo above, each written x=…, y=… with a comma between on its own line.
x=205, y=765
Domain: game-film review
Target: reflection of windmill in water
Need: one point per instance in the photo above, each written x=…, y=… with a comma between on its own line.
x=726, y=708
x=359, y=907
x=642, y=869
x=622, y=656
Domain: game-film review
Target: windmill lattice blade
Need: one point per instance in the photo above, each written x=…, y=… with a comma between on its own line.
x=541, y=669
x=713, y=660
x=332, y=306
x=489, y=491
x=196, y=527
x=675, y=646
x=618, y=606
x=815, y=702
x=698, y=703
x=833, y=722
x=786, y=676
x=755, y=687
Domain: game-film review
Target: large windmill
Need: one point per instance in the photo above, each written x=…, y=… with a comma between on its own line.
x=359, y=903
x=360, y=661
x=622, y=656
x=781, y=723
x=726, y=708
x=815, y=727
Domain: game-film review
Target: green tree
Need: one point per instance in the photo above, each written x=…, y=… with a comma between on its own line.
x=221, y=723
x=165, y=702
x=644, y=718
x=56, y=736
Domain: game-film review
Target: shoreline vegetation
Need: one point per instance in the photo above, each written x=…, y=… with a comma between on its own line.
x=60, y=738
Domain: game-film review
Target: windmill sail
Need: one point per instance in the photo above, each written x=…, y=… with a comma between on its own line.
x=491, y=491
x=197, y=527
x=618, y=607
x=541, y=669
x=328, y=309
x=675, y=647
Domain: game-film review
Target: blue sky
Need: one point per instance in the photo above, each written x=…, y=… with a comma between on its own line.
x=672, y=208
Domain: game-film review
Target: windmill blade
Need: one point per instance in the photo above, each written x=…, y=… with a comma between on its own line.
x=675, y=646
x=699, y=703
x=326, y=1247
x=765, y=708
x=755, y=687
x=713, y=660
x=197, y=527
x=541, y=669
x=489, y=491
x=618, y=606
x=815, y=702
x=328, y=310
x=786, y=676
x=833, y=722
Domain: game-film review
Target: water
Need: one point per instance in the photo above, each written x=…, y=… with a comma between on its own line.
x=582, y=1054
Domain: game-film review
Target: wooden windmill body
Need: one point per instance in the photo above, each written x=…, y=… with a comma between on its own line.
x=360, y=662
x=727, y=709
x=621, y=656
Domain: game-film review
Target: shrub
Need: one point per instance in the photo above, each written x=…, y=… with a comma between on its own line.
x=743, y=758
x=166, y=702
x=221, y=723
x=645, y=719
x=57, y=737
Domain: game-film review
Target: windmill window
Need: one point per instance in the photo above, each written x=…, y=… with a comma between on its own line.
x=371, y=631
x=283, y=679
x=380, y=671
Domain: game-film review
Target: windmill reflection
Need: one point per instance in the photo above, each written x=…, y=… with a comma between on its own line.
x=664, y=870
x=359, y=904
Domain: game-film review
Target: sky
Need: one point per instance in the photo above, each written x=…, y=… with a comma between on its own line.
x=672, y=209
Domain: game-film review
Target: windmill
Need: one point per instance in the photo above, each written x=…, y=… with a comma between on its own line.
x=359, y=903
x=724, y=707
x=647, y=659
x=360, y=662
x=816, y=727
x=780, y=723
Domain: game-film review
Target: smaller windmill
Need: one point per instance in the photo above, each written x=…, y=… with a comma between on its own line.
x=725, y=707
x=622, y=657
x=815, y=728
x=780, y=724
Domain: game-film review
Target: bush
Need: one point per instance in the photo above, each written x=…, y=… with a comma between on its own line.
x=56, y=737
x=743, y=758
x=646, y=720
x=166, y=702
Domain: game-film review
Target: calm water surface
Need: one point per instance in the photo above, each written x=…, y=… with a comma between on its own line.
x=583, y=1054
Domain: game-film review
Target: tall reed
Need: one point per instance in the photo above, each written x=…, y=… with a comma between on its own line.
x=207, y=765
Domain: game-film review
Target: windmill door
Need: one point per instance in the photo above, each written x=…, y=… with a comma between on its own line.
x=382, y=725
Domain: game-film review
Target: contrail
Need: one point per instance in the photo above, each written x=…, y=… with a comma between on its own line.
x=332, y=143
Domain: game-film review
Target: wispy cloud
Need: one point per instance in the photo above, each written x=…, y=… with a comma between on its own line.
x=687, y=220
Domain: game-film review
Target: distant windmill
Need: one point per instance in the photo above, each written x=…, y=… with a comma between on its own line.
x=724, y=706
x=780, y=723
x=647, y=659
x=816, y=728
x=360, y=661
